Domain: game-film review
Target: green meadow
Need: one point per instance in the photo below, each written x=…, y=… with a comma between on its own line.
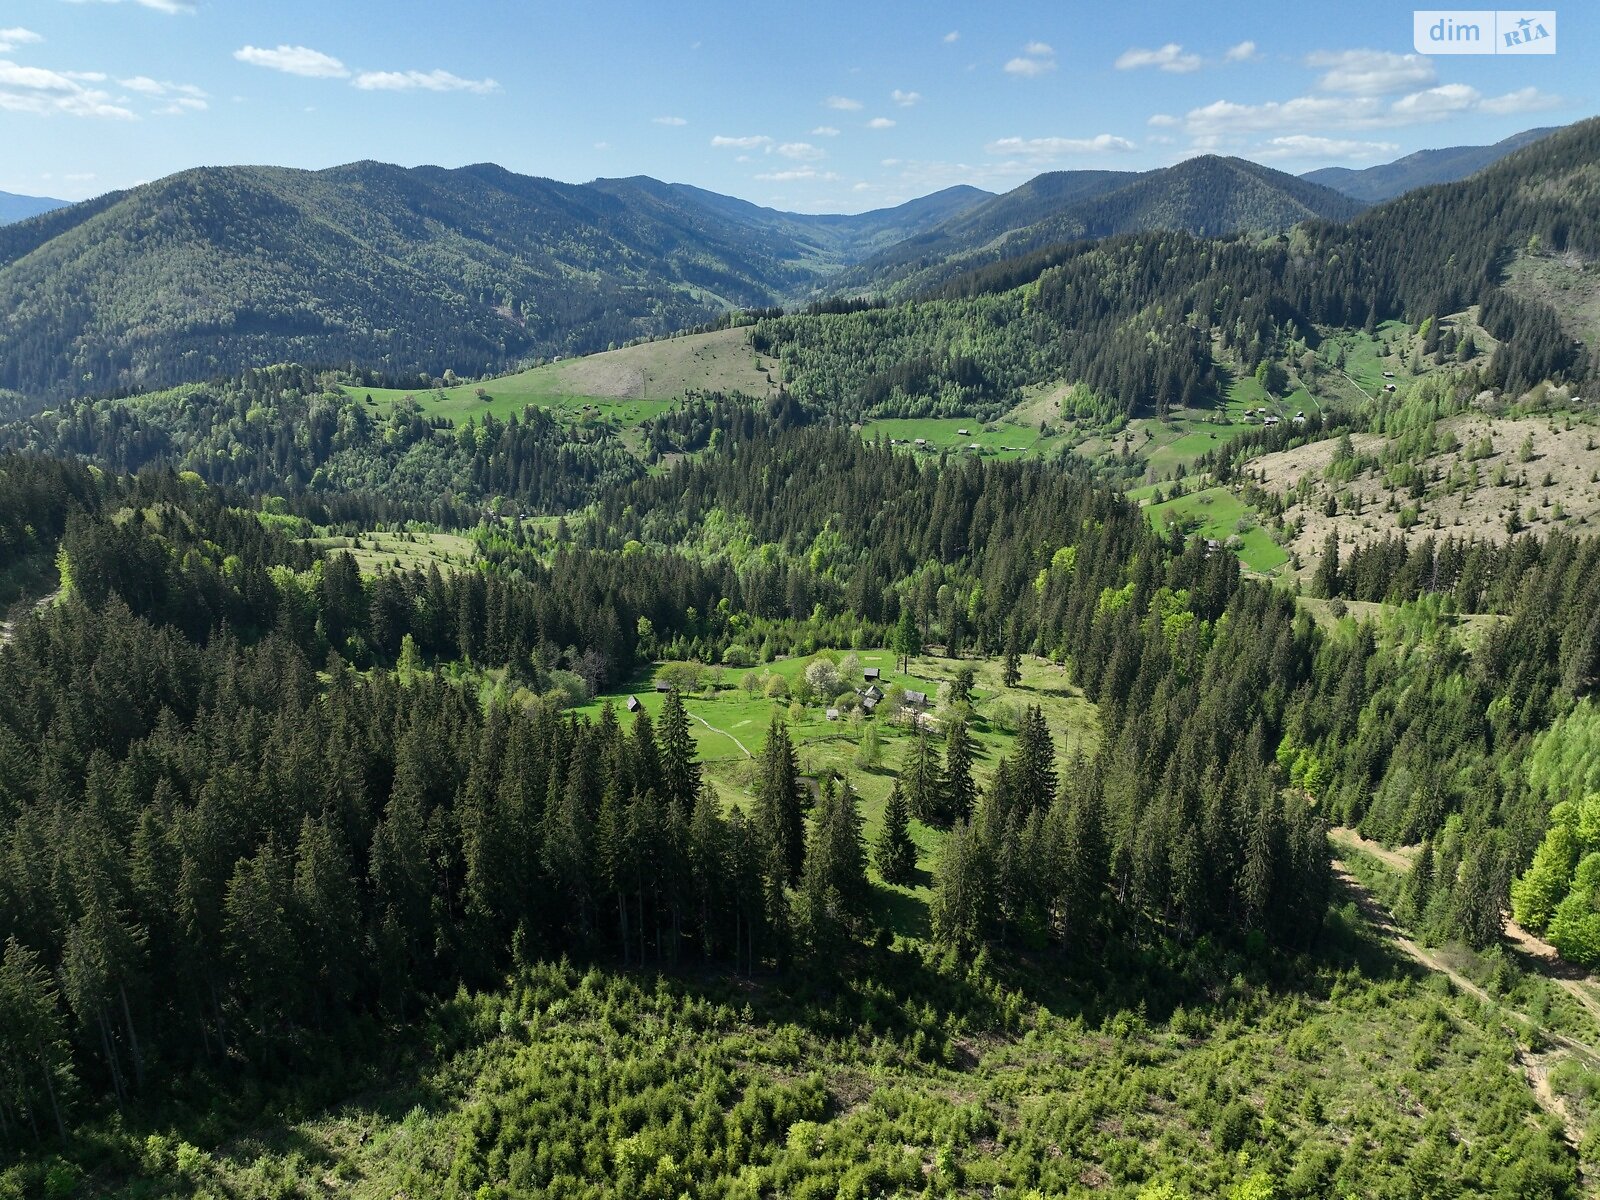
x=1003, y=439
x=1219, y=514
x=730, y=723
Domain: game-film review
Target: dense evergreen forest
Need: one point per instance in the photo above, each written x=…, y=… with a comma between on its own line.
x=284, y=815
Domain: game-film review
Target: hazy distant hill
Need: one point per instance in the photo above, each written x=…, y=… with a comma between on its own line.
x=1206, y=196
x=19, y=208
x=1425, y=167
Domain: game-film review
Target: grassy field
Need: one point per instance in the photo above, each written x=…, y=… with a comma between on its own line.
x=378, y=552
x=730, y=726
x=1004, y=439
x=621, y=387
x=1219, y=514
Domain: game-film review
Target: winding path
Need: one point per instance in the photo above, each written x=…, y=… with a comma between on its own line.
x=1533, y=1067
x=39, y=605
x=723, y=732
x=1540, y=954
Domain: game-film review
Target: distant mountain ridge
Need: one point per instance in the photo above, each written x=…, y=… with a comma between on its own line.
x=19, y=208
x=1421, y=169
x=419, y=270
x=1207, y=196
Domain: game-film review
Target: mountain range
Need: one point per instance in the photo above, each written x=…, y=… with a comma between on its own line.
x=19, y=208
x=403, y=270
x=1388, y=180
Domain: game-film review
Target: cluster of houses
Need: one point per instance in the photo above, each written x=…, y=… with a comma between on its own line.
x=870, y=692
x=1271, y=419
x=923, y=443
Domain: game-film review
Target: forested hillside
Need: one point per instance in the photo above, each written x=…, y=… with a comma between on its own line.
x=217, y=269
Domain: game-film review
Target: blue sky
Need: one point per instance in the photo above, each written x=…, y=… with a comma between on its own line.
x=826, y=106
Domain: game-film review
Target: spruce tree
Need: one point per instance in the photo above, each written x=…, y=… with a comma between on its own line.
x=923, y=777
x=895, y=854
x=778, y=808
x=1036, y=766
x=963, y=902
x=906, y=641
x=1325, y=582
x=960, y=792
x=680, y=772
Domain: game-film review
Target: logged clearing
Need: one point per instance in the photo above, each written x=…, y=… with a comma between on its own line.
x=1568, y=283
x=1539, y=474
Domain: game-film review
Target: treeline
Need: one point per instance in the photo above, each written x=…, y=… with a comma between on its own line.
x=292, y=430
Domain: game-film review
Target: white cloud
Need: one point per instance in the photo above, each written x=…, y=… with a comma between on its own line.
x=1523, y=100
x=16, y=36
x=842, y=103
x=669, y=120
x=880, y=123
x=753, y=142
x=1320, y=114
x=803, y=151
x=1243, y=52
x=1163, y=121
x=1371, y=72
x=1037, y=58
x=182, y=98
x=825, y=131
x=797, y=173
x=171, y=7
x=1168, y=58
x=156, y=87
x=182, y=106
x=1028, y=67
x=1436, y=102
x=44, y=93
x=428, y=81
x=1055, y=147
x=1224, y=116
x=905, y=99
x=1306, y=146
x=294, y=60
x=949, y=39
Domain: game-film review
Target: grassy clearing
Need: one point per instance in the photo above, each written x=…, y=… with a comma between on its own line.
x=1218, y=514
x=728, y=721
x=1002, y=439
x=378, y=552
x=1540, y=475
x=621, y=387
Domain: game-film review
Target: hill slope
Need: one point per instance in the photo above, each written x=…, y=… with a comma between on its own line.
x=402, y=269
x=1445, y=165
x=19, y=208
x=1206, y=196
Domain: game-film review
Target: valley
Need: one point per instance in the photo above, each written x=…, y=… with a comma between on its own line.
x=518, y=688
